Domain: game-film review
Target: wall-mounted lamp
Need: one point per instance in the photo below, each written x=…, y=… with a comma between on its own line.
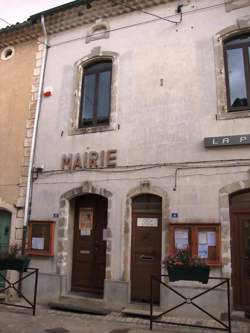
x=36, y=171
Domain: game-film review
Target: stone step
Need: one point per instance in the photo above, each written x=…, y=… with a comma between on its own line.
x=80, y=305
x=237, y=316
x=140, y=310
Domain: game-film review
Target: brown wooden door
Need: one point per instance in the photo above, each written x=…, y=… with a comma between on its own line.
x=145, y=253
x=241, y=260
x=89, y=252
x=240, y=236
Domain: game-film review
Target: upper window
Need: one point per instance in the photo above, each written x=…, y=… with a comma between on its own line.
x=237, y=70
x=96, y=94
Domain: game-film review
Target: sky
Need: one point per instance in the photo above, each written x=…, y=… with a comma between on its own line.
x=14, y=11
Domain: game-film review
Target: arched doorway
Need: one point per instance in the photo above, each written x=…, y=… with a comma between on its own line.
x=145, y=246
x=89, y=246
x=240, y=248
x=5, y=219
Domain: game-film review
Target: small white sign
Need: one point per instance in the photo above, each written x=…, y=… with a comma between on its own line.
x=203, y=251
x=37, y=243
x=147, y=222
x=211, y=236
x=85, y=232
x=202, y=237
x=181, y=238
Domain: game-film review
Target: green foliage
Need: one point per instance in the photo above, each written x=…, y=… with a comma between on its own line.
x=13, y=252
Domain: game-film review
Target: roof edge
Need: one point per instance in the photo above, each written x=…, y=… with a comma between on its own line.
x=13, y=27
x=66, y=6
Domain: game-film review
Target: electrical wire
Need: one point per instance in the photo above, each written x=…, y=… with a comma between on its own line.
x=137, y=24
x=165, y=18
x=151, y=14
x=140, y=167
x=139, y=178
x=5, y=21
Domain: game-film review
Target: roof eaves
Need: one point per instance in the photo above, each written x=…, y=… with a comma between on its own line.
x=57, y=9
x=17, y=26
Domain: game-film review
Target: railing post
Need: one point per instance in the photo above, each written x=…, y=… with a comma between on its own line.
x=229, y=306
x=151, y=303
x=35, y=293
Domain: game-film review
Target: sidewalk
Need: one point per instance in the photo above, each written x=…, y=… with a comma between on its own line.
x=14, y=320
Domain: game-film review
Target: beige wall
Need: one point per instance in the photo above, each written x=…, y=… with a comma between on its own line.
x=15, y=93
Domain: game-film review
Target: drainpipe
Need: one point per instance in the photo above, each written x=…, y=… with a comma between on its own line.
x=34, y=137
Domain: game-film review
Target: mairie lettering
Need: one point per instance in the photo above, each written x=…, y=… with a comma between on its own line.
x=90, y=160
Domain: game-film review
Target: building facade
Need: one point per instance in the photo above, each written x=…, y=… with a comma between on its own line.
x=19, y=76
x=142, y=147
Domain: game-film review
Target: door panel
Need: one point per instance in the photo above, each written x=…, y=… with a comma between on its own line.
x=245, y=259
x=145, y=252
x=5, y=218
x=240, y=233
x=89, y=253
x=240, y=249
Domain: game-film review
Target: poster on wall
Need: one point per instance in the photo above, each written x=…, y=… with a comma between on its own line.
x=85, y=221
x=203, y=251
x=181, y=239
x=211, y=238
x=37, y=243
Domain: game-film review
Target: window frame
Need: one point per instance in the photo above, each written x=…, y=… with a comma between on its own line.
x=193, y=229
x=73, y=125
x=107, y=67
x=244, y=46
x=50, y=238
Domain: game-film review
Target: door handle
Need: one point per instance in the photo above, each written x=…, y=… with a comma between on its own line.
x=145, y=257
x=84, y=252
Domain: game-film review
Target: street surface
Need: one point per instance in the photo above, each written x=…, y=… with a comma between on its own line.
x=15, y=320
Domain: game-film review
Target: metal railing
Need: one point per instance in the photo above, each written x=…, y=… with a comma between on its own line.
x=15, y=286
x=190, y=301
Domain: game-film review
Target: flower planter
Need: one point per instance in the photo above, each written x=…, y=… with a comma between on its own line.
x=188, y=273
x=16, y=264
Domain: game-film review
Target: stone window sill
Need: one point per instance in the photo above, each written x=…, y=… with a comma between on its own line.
x=91, y=129
x=233, y=115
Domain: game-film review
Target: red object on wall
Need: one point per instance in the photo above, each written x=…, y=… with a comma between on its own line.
x=47, y=93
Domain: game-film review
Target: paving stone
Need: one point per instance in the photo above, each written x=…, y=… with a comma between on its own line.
x=14, y=320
